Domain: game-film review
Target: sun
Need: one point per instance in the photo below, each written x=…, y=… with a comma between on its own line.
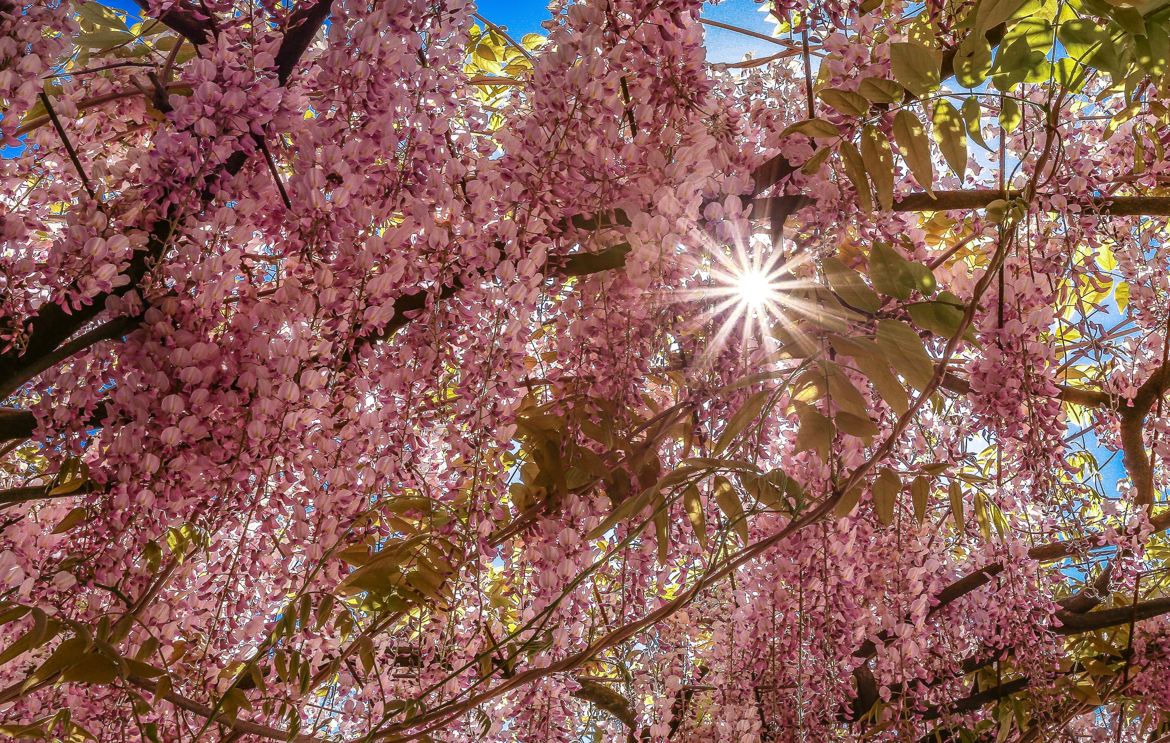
x=755, y=289
x=747, y=289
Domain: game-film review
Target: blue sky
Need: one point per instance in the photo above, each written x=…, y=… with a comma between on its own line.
x=524, y=16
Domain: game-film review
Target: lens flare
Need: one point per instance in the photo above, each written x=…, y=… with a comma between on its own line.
x=755, y=288
x=750, y=293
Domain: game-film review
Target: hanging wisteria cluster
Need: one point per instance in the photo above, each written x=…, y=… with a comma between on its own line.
x=371, y=373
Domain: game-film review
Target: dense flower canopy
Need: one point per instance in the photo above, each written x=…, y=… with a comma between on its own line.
x=370, y=373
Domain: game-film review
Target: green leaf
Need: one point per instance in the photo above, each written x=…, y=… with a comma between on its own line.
x=815, y=433
x=914, y=145
x=950, y=134
x=72, y=519
x=972, y=60
x=919, y=494
x=878, y=158
x=43, y=630
x=848, y=502
x=1152, y=51
x=813, y=128
x=73, y=474
x=905, y=352
x=973, y=121
x=941, y=317
x=728, y=501
x=955, y=493
x=746, y=414
x=1130, y=19
x=814, y=163
x=895, y=276
x=855, y=170
x=883, y=380
x=991, y=13
x=1009, y=115
x=1091, y=44
x=885, y=495
x=693, y=505
x=915, y=66
x=92, y=668
x=104, y=40
x=776, y=490
x=857, y=426
x=844, y=101
x=100, y=16
x=842, y=392
x=627, y=508
x=382, y=570
x=880, y=90
x=850, y=286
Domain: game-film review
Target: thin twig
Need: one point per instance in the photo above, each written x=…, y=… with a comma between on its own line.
x=275, y=174
x=68, y=145
x=748, y=64
x=808, y=81
x=100, y=68
x=503, y=33
x=743, y=31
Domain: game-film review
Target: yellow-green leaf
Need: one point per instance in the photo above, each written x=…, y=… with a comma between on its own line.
x=973, y=121
x=745, y=415
x=914, y=145
x=728, y=501
x=895, y=276
x=813, y=128
x=104, y=39
x=842, y=392
x=919, y=493
x=855, y=171
x=844, y=101
x=880, y=90
x=885, y=495
x=905, y=352
x=1009, y=115
x=815, y=433
x=693, y=505
x=955, y=493
x=662, y=532
x=850, y=286
x=848, y=502
x=941, y=317
x=972, y=60
x=915, y=66
x=951, y=136
x=878, y=158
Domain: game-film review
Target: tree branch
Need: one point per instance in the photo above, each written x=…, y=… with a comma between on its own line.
x=207, y=713
x=181, y=21
x=978, y=198
x=303, y=25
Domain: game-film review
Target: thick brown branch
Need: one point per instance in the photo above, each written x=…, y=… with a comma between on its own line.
x=303, y=25
x=16, y=424
x=182, y=21
x=1114, y=206
x=1073, y=623
x=1133, y=447
x=605, y=698
x=1076, y=395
